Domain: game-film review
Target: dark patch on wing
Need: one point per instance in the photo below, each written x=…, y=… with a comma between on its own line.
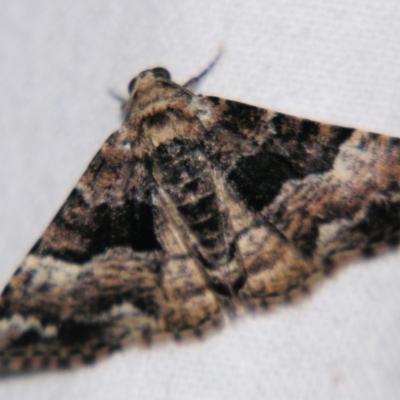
x=29, y=337
x=71, y=332
x=63, y=362
x=294, y=151
x=7, y=290
x=301, y=142
x=259, y=178
x=394, y=141
x=147, y=304
x=221, y=288
x=97, y=229
x=239, y=117
x=215, y=100
x=381, y=224
x=307, y=241
x=341, y=135
x=18, y=271
x=228, y=290
x=239, y=283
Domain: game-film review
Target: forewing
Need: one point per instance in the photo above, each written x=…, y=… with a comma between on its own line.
x=304, y=197
x=108, y=271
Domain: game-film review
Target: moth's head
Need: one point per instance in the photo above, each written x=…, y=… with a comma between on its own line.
x=147, y=79
x=148, y=88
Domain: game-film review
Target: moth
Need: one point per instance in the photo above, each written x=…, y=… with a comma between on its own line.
x=195, y=209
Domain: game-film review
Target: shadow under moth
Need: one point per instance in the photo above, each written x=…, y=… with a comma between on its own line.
x=196, y=208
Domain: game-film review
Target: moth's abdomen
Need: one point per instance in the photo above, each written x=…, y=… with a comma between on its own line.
x=187, y=180
x=186, y=176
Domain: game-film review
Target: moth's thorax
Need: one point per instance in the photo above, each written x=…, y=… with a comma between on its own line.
x=159, y=111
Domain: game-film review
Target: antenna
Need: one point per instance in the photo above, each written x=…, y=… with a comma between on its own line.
x=192, y=83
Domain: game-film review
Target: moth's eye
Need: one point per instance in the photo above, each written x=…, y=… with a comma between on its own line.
x=131, y=85
x=161, y=73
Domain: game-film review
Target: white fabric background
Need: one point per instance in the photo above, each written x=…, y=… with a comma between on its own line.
x=331, y=61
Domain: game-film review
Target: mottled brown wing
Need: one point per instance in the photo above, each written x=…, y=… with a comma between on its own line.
x=195, y=205
x=108, y=271
x=303, y=196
